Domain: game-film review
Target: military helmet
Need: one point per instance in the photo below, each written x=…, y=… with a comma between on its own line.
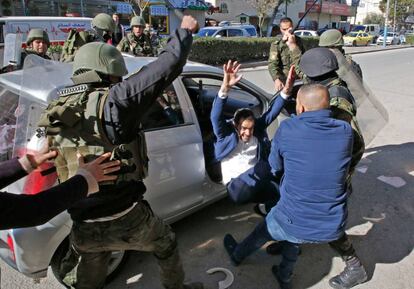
x=37, y=33
x=99, y=57
x=137, y=21
x=318, y=61
x=104, y=22
x=331, y=38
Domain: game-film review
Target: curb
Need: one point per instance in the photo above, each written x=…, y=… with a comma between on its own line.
x=264, y=62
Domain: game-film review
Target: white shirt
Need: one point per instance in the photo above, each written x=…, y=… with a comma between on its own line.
x=242, y=158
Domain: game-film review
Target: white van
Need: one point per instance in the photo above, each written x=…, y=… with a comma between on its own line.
x=371, y=29
x=56, y=27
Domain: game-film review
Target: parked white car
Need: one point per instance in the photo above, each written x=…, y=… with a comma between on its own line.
x=243, y=30
x=183, y=174
x=306, y=33
x=391, y=39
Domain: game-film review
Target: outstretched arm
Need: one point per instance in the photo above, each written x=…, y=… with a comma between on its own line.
x=128, y=100
x=231, y=78
x=272, y=113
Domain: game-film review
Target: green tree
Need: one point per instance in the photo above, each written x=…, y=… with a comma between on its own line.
x=403, y=9
x=374, y=18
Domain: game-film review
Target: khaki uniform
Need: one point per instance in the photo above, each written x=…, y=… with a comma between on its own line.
x=138, y=46
x=281, y=58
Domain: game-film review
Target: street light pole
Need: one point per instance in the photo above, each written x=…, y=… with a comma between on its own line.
x=395, y=14
x=387, y=11
x=82, y=11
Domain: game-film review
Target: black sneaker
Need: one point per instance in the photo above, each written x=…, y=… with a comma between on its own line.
x=276, y=249
x=230, y=245
x=282, y=284
x=351, y=276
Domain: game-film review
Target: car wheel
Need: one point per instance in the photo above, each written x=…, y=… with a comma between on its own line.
x=354, y=43
x=367, y=43
x=117, y=261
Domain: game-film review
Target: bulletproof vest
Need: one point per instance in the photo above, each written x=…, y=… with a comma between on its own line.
x=340, y=97
x=73, y=122
x=74, y=41
x=139, y=46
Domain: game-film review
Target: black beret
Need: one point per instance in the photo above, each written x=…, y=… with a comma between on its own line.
x=318, y=61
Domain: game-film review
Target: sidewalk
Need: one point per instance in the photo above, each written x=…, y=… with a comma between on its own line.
x=348, y=50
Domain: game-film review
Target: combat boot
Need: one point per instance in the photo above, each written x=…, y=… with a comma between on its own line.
x=353, y=274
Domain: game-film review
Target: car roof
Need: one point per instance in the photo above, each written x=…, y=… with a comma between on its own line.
x=61, y=75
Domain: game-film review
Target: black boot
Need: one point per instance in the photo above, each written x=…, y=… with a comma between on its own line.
x=282, y=284
x=353, y=274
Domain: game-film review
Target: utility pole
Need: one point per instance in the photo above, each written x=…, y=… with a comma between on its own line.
x=286, y=3
x=387, y=11
x=82, y=10
x=395, y=14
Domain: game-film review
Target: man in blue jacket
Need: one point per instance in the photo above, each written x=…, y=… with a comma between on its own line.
x=314, y=151
x=242, y=144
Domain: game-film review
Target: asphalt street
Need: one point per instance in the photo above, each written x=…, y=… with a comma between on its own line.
x=381, y=208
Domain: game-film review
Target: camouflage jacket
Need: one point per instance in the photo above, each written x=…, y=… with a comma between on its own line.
x=138, y=46
x=281, y=58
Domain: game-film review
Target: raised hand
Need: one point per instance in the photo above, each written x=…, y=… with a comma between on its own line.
x=230, y=70
x=190, y=23
x=290, y=81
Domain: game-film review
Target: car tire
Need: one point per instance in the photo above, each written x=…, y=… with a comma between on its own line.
x=116, y=263
x=354, y=43
x=367, y=43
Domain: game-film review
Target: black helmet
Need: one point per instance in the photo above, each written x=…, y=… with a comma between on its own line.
x=318, y=61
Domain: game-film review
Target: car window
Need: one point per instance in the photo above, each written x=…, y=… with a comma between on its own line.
x=222, y=33
x=234, y=32
x=252, y=31
x=306, y=33
x=164, y=112
x=352, y=34
x=206, y=32
x=8, y=110
x=365, y=34
x=297, y=33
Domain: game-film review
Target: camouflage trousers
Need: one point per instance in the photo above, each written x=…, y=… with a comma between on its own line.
x=85, y=266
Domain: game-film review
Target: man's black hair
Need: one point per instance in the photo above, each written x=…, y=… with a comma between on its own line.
x=242, y=114
x=286, y=19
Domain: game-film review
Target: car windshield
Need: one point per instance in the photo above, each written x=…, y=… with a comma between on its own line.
x=204, y=32
x=352, y=34
x=251, y=31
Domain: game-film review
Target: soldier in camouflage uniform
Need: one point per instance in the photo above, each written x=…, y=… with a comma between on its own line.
x=103, y=26
x=320, y=66
x=102, y=113
x=284, y=52
x=37, y=43
x=333, y=40
x=138, y=41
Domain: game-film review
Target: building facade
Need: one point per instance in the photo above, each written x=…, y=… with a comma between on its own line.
x=366, y=7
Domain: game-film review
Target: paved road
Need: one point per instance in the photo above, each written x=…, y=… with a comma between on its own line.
x=380, y=216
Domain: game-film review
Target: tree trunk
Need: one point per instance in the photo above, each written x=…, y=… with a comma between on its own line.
x=272, y=19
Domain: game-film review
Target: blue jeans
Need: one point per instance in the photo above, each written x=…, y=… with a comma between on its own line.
x=257, y=239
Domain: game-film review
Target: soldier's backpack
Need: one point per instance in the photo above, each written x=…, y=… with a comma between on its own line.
x=73, y=42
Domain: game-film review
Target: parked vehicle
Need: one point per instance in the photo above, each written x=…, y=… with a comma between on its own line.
x=176, y=187
x=306, y=33
x=371, y=29
x=228, y=31
x=57, y=28
x=391, y=39
x=357, y=38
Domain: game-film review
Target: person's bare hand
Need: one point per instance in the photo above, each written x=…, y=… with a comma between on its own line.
x=230, y=70
x=290, y=81
x=36, y=159
x=190, y=23
x=279, y=84
x=291, y=41
x=100, y=170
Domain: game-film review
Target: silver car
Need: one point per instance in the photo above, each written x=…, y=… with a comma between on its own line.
x=183, y=175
